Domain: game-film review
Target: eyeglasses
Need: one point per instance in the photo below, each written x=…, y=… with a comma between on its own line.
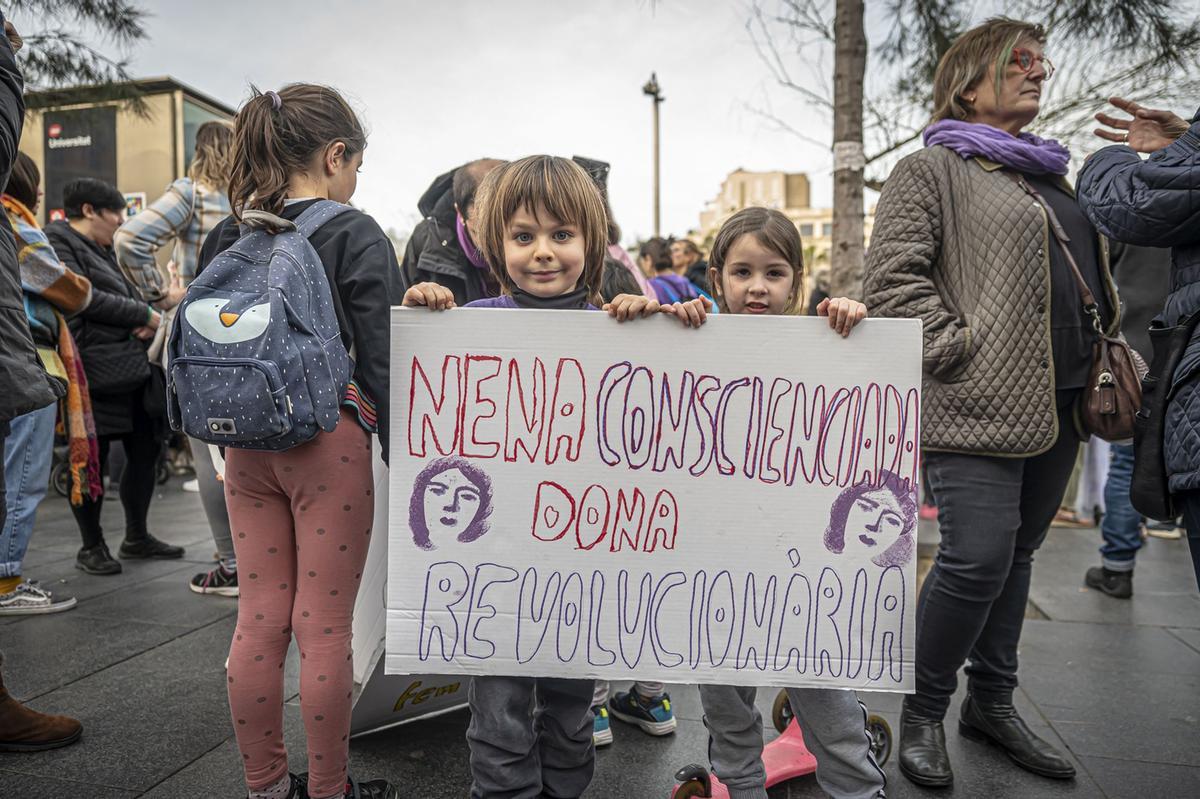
x=1025, y=59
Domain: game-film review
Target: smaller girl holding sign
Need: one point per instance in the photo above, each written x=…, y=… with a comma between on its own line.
x=544, y=231
x=757, y=267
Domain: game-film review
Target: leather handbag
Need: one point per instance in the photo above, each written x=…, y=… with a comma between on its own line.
x=1150, y=490
x=1113, y=393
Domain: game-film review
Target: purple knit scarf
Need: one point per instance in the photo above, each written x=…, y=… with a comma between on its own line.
x=1024, y=152
x=468, y=247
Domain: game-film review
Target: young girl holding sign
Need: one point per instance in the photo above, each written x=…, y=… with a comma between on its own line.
x=544, y=232
x=757, y=267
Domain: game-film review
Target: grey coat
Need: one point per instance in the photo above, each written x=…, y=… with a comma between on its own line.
x=960, y=246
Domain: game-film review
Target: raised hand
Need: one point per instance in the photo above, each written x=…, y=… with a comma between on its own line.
x=692, y=313
x=631, y=306
x=843, y=313
x=1149, y=129
x=430, y=295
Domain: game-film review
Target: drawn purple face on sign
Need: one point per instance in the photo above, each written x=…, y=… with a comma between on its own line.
x=451, y=500
x=879, y=518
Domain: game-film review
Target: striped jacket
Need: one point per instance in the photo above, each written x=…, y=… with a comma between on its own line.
x=186, y=213
x=43, y=277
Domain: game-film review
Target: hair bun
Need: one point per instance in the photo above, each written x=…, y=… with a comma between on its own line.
x=276, y=100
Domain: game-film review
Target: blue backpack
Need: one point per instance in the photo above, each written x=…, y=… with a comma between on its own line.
x=256, y=359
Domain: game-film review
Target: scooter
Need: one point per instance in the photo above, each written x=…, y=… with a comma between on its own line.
x=785, y=758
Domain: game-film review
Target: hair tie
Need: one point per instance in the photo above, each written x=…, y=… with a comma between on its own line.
x=276, y=100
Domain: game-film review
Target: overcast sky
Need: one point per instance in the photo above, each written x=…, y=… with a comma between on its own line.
x=440, y=83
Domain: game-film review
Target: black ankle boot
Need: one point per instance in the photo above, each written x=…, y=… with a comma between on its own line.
x=923, y=757
x=999, y=724
x=1115, y=584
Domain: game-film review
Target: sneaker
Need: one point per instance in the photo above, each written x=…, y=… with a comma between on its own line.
x=601, y=728
x=97, y=560
x=149, y=547
x=1116, y=584
x=29, y=597
x=1070, y=519
x=191, y=486
x=218, y=581
x=373, y=789
x=1166, y=530
x=653, y=716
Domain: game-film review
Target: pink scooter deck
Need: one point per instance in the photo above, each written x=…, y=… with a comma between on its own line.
x=784, y=758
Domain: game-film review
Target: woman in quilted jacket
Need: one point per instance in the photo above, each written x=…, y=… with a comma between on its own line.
x=963, y=242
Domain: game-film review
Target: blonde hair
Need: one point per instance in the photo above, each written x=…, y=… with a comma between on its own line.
x=564, y=190
x=210, y=164
x=966, y=63
x=774, y=231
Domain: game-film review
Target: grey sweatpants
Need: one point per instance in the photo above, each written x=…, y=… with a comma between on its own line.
x=835, y=731
x=530, y=737
x=212, y=497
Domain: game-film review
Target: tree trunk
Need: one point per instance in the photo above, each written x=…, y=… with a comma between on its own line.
x=849, y=67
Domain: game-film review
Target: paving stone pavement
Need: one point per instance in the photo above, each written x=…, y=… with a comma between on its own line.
x=140, y=661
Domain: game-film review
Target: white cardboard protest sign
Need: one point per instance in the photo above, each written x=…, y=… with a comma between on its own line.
x=575, y=497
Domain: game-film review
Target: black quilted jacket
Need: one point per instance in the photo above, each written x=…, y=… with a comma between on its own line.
x=1156, y=202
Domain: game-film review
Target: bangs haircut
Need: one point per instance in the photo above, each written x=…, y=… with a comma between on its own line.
x=966, y=63
x=772, y=230
x=559, y=186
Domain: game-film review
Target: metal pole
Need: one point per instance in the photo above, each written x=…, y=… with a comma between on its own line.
x=653, y=90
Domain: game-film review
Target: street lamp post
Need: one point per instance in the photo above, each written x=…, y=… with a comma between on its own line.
x=653, y=90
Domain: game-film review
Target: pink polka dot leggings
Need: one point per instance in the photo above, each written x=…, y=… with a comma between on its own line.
x=301, y=521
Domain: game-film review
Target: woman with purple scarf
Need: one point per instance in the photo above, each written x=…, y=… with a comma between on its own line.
x=965, y=241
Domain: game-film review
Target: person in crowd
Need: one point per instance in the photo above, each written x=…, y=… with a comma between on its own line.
x=757, y=266
x=27, y=388
x=1151, y=203
x=50, y=291
x=183, y=217
x=616, y=254
x=669, y=287
x=962, y=242
x=303, y=516
x=688, y=262
x=127, y=392
x=442, y=247
x=1143, y=276
x=539, y=215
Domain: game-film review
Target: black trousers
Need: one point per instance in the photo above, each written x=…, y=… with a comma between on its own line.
x=994, y=514
x=137, y=487
x=1191, y=520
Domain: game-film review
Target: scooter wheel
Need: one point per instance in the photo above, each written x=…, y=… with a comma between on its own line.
x=60, y=478
x=781, y=712
x=881, y=738
x=690, y=788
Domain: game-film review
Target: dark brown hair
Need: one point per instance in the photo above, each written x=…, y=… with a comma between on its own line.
x=774, y=231
x=23, y=181
x=276, y=136
x=658, y=250
x=966, y=63
x=564, y=190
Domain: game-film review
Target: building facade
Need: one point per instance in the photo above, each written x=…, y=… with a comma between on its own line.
x=788, y=192
x=139, y=152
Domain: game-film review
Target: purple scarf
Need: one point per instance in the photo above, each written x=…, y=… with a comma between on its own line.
x=1023, y=152
x=468, y=247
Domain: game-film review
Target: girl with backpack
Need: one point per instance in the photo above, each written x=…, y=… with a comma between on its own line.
x=544, y=232
x=302, y=516
x=757, y=267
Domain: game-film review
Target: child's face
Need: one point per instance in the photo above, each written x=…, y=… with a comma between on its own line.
x=756, y=279
x=543, y=255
